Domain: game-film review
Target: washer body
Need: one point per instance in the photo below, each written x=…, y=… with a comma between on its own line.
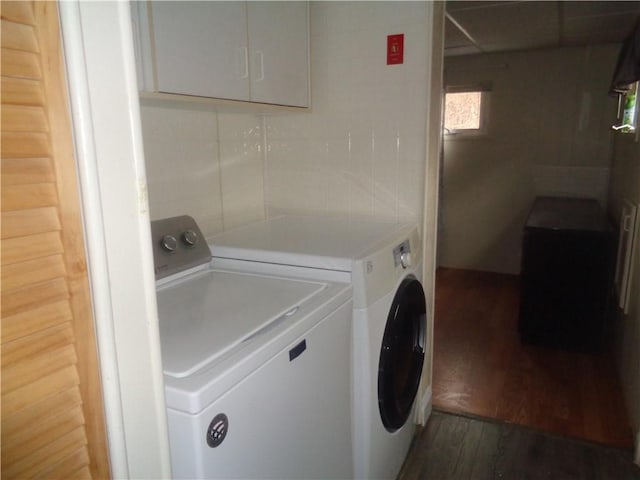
x=379, y=259
x=254, y=371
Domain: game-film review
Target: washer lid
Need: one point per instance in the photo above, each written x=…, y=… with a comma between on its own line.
x=209, y=313
x=330, y=243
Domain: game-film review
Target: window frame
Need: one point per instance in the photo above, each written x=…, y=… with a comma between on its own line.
x=633, y=127
x=485, y=93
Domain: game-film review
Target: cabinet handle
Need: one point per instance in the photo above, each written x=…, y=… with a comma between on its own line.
x=243, y=62
x=260, y=57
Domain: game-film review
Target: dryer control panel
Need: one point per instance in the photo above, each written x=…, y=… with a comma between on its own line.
x=379, y=272
x=402, y=255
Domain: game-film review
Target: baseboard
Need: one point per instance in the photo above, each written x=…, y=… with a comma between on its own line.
x=425, y=406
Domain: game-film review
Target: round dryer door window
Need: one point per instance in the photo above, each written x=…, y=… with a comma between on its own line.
x=402, y=354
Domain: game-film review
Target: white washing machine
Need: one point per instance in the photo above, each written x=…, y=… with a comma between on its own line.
x=383, y=262
x=256, y=367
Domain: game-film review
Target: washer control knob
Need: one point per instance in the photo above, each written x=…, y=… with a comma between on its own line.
x=190, y=238
x=405, y=259
x=169, y=243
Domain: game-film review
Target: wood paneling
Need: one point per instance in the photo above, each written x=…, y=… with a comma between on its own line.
x=22, y=197
x=481, y=368
x=19, y=36
x=41, y=460
x=52, y=413
x=75, y=467
x=23, y=274
x=19, y=12
x=24, y=118
x=38, y=434
x=38, y=415
x=16, y=63
x=15, y=400
x=20, y=223
x=30, y=370
x=37, y=318
x=21, y=91
x=18, y=171
x=25, y=144
x=20, y=249
x=33, y=296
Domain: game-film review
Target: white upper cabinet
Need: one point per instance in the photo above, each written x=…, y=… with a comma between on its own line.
x=278, y=37
x=201, y=48
x=248, y=51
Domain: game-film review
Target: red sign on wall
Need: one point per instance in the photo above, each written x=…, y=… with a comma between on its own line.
x=395, y=49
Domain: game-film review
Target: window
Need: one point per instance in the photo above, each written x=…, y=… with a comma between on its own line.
x=628, y=110
x=465, y=110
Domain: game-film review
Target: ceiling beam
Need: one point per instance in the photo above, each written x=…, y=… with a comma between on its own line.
x=464, y=32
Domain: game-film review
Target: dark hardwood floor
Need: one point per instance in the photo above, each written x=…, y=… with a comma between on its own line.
x=481, y=368
x=453, y=447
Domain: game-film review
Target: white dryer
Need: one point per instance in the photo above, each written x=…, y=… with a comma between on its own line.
x=256, y=371
x=383, y=262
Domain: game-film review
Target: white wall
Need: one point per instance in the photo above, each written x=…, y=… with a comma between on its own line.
x=361, y=150
x=625, y=184
x=202, y=163
x=549, y=134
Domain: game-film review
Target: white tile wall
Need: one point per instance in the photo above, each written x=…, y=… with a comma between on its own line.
x=204, y=164
x=241, y=168
x=361, y=151
x=181, y=157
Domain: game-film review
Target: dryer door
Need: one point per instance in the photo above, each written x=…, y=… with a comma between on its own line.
x=402, y=354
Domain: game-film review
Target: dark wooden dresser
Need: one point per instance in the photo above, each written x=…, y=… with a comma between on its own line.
x=567, y=259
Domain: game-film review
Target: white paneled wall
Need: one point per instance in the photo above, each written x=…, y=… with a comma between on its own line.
x=574, y=181
x=625, y=185
x=548, y=134
x=204, y=164
x=361, y=151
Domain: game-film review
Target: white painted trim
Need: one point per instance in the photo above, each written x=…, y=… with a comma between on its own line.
x=430, y=207
x=636, y=457
x=94, y=234
x=425, y=407
x=101, y=70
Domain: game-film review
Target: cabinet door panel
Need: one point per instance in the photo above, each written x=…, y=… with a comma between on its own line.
x=193, y=40
x=278, y=37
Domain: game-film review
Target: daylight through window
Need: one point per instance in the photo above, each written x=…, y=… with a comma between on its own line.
x=464, y=112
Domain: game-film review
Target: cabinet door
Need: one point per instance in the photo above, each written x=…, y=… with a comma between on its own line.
x=278, y=39
x=201, y=48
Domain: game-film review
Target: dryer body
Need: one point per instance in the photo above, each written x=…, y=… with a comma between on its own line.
x=389, y=343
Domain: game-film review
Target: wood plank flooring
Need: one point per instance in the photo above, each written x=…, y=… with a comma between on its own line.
x=481, y=368
x=457, y=447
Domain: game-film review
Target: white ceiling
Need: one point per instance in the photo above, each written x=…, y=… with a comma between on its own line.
x=474, y=27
